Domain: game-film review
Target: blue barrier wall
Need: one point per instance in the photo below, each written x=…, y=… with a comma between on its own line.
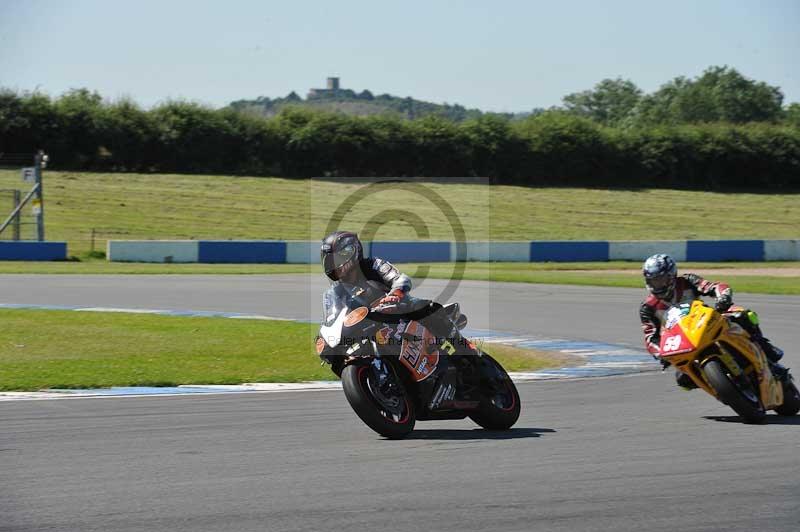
x=724, y=250
x=412, y=251
x=301, y=251
x=241, y=252
x=25, y=250
x=567, y=251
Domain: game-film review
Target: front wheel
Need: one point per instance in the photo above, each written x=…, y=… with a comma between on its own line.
x=379, y=401
x=500, y=407
x=743, y=402
x=791, y=399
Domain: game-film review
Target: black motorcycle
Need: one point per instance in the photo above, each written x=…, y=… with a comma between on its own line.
x=405, y=362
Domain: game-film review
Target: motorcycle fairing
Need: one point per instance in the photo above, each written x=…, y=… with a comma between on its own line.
x=675, y=342
x=419, y=352
x=711, y=335
x=332, y=334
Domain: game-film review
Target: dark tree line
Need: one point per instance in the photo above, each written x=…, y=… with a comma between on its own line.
x=557, y=147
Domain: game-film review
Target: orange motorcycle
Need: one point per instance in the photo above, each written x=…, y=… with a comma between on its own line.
x=720, y=357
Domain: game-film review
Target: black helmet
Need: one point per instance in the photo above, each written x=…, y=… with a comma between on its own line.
x=660, y=272
x=340, y=252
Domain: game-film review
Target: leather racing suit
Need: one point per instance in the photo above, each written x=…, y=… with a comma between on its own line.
x=431, y=314
x=379, y=270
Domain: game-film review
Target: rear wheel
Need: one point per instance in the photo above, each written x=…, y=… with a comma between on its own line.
x=744, y=402
x=791, y=399
x=500, y=407
x=381, y=403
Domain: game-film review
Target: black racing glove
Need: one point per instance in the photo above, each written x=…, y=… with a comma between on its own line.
x=724, y=302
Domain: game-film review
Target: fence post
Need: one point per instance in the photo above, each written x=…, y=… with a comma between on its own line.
x=38, y=163
x=16, y=222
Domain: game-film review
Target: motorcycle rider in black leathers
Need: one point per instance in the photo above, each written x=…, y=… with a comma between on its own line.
x=342, y=257
x=667, y=288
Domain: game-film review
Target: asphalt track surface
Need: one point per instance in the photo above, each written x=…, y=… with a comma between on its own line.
x=618, y=453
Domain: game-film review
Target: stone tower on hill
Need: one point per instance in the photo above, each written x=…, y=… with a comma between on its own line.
x=332, y=86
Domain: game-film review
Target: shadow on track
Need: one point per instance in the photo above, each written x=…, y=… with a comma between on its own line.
x=476, y=434
x=770, y=420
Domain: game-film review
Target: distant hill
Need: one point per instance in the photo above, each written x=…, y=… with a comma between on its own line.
x=349, y=102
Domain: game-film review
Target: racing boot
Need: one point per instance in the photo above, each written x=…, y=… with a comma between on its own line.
x=684, y=381
x=780, y=371
x=774, y=354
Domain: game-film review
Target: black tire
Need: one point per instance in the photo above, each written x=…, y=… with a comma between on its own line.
x=500, y=409
x=791, y=399
x=749, y=409
x=355, y=381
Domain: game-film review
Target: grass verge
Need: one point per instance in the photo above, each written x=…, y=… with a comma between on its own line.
x=174, y=206
x=66, y=349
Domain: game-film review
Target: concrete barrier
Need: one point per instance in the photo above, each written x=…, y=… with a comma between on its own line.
x=486, y=251
x=153, y=250
x=639, y=251
x=33, y=250
x=307, y=252
x=782, y=250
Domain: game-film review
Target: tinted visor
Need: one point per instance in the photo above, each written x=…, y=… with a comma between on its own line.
x=335, y=259
x=659, y=284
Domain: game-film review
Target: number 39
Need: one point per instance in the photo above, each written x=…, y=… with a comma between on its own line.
x=672, y=343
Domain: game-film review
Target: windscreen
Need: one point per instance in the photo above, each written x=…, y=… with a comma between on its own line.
x=342, y=295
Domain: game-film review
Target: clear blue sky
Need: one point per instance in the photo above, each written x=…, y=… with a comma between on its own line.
x=499, y=56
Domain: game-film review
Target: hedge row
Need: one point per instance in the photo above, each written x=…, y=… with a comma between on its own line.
x=81, y=132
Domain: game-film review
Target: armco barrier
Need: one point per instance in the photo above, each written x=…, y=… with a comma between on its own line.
x=307, y=252
x=31, y=250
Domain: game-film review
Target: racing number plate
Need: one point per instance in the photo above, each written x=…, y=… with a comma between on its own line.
x=675, y=342
x=420, y=354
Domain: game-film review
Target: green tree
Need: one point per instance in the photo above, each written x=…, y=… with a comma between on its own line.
x=609, y=103
x=720, y=94
x=79, y=115
x=792, y=114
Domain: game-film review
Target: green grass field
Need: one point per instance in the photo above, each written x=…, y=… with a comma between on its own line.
x=143, y=206
x=63, y=349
